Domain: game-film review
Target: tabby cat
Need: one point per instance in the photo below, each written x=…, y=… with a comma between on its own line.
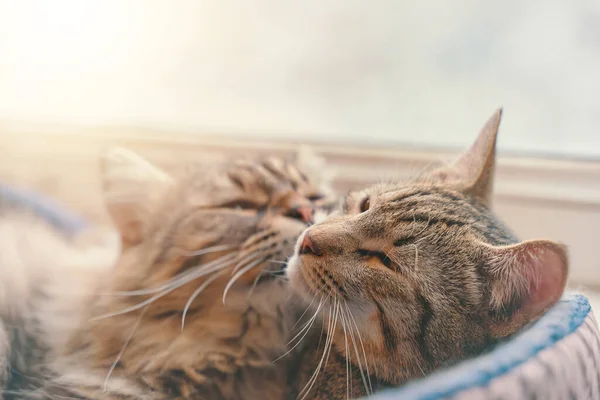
x=413, y=276
x=188, y=303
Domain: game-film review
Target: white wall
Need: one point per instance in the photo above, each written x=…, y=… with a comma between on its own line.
x=414, y=71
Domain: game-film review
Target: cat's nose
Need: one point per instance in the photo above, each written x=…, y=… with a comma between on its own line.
x=308, y=246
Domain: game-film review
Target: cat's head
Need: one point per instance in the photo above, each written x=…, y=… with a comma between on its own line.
x=423, y=271
x=211, y=222
x=188, y=237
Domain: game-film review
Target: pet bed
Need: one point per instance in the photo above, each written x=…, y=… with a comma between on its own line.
x=557, y=357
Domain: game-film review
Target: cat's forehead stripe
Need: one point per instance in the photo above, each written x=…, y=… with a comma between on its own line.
x=433, y=206
x=427, y=201
x=428, y=195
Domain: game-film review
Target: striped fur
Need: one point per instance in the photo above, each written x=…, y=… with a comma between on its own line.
x=414, y=276
x=155, y=323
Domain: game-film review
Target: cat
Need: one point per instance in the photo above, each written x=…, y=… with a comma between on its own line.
x=42, y=260
x=415, y=276
x=186, y=302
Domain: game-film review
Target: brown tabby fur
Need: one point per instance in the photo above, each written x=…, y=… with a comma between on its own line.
x=415, y=276
x=242, y=218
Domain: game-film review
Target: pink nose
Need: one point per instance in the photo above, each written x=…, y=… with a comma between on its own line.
x=308, y=246
x=306, y=213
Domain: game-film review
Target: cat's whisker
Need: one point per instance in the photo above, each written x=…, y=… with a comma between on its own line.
x=367, y=378
x=239, y=274
x=309, y=322
x=328, y=339
x=201, y=288
x=276, y=274
x=223, y=261
x=353, y=340
x=159, y=295
x=205, y=270
x=308, y=386
x=251, y=257
x=309, y=305
x=278, y=262
x=330, y=336
x=122, y=351
x=258, y=276
x=368, y=373
x=207, y=250
x=336, y=311
x=414, y=225
x=425, y=237
x=348, y=370
x=306, y=330
x=426, y=225
x=262, y=235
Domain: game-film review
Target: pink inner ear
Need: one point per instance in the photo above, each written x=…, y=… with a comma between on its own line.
x=550, y=270
x=534, y=272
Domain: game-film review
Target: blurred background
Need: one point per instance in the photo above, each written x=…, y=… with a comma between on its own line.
x=381, y=88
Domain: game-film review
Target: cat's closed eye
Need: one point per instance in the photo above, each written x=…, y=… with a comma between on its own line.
x=385, y=260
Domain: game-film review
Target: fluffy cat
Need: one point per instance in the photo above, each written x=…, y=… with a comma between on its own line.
x=185, y=303
x=415, y=276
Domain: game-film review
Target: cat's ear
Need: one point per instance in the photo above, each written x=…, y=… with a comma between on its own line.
x=474, y=170
x=525, y=280
x=315, y=167
x=132, y=187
